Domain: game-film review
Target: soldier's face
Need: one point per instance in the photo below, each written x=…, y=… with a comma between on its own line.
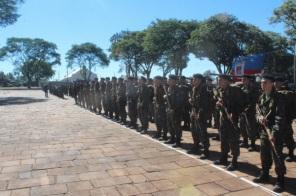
x=172, y=82
x=266, y=85
x=278, y=84
x=223, y=83
x=196, y=82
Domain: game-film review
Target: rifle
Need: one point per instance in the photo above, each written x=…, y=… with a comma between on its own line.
x=167, y=97
x=268, y=132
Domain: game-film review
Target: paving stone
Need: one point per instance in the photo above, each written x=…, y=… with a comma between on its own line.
x=20, y=192
x=127, y=189
x=105, y=191
x=49, y=190
x=111, y=181
x=31, y=182
x=146, y=187
x=212, y=189
x=138, y=178
x=164, y=185
x=79, y=186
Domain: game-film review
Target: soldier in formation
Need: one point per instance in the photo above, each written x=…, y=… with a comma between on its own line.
x=235, y=110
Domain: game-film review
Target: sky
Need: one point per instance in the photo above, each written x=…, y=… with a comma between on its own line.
x=68, y=22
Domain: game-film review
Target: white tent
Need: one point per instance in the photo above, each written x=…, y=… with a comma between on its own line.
x=78, y=75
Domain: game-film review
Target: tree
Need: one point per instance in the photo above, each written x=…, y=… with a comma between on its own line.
x=8, y=12
x=219, y=39
x=125, y=47
x=286, y=14
x=33, y=58
x=168, y=39
x=86, y=56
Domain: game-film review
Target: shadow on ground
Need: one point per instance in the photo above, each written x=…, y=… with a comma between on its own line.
x=19, y=100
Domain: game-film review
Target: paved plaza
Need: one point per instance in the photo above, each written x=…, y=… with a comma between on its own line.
x=53, y=147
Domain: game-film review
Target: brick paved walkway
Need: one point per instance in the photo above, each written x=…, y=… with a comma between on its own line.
x=52, y=147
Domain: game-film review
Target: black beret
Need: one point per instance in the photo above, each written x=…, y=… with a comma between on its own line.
x=107, y=78
x=279, y=79
x=267, y=76
x=173, y=77
x=198, y=76
x=182, y=78
x=248, y=76
x=114, y=78
x=158, y=78
x=143, y=78
x=226, y=77
x=120, y=79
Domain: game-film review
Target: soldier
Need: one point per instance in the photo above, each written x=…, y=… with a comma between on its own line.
x=185, y=90
x=108, y=97
x=132, y=102
x=98, y=97
x=151, y=95
x=200, y=107
x=230, y=108
x=271, y=117
x=121, y=100
x=143, y=104
x=290, y=104
x=159, y=109
x=247, y=121
x=103, y=93
x=113, y=105
x=174, y=111
x=92, y=96
x=212, y=102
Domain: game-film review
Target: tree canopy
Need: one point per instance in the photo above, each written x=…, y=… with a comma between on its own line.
x=33, y=58
x=286, y=14
x=86, y=56
x=8, y=12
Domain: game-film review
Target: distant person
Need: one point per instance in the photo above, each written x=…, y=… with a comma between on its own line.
x=45, y=89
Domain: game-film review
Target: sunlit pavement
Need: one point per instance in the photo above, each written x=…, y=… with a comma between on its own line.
x=53, y=147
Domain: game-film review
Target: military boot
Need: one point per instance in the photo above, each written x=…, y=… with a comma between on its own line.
x=279, y=185
x=291, y=156
x=157, y=135
x=221, y=161
x=177, y=144
x=205, y=154
x=244, y=144
x=171, y=141
x=262, y=178
x=252, y=146
x=233, y=165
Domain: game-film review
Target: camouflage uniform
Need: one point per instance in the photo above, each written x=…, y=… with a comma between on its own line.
x=143, y=105
x=121, y=100
x=199, y=115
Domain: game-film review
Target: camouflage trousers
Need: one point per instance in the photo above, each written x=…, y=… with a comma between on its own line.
x=132, y=111
x=143, y=114
x=160, y=119
x=229, y=136
x=199, y=132
x=174, y=119
x=121, y=103
x=288, y=136
x=248, y=125
x=269, y=155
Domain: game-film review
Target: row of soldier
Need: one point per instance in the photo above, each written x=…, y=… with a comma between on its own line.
x=237, y=110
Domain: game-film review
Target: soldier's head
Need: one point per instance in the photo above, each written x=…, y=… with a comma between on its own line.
x=247, y=79
x=267, y=83
x=157, y=80
x=114, y=79
x=197, y=80
x=172, y=80
x=102, y=79
x=150, y=81
x=224, y=81
x=182, y=80
x=209, y=80
x=107, y=79
x=120, y=80
x=95, y=79
x=279, y=82
x=142, y=80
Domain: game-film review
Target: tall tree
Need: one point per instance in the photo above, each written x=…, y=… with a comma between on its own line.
x=86, y=56
x=125, y=47
x=33, y=58
x=286, y=14
x=168, y=38
x=8, y=12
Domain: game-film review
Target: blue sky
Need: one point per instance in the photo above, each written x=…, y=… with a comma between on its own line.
x=67, y=22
